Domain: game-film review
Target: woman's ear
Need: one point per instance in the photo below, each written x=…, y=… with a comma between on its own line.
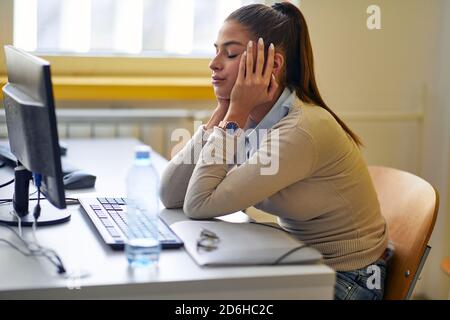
x=278, y=64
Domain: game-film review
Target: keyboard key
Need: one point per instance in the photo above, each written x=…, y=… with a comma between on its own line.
x=111, y=200
x=102, y=200
x=113, y=232
x=116, y=218
x=106, y=222
x=107, y=206
x=117, y=207
x=123, y=227
x=101, y=213
x=119, y=201
x=96, y=207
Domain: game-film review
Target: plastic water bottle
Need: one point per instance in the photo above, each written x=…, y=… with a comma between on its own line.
x=142, y=247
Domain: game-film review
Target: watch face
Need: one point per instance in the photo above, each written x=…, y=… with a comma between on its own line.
x=232, y=126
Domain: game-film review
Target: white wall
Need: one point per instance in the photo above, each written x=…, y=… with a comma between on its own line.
x=378, y=80
x=436, y=160
x=392, y=86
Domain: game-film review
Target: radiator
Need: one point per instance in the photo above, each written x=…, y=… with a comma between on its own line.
x=151, y=126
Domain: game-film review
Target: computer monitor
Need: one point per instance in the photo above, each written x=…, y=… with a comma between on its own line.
x=33, y=137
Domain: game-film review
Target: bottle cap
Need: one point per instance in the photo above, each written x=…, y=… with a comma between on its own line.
x=142, y=151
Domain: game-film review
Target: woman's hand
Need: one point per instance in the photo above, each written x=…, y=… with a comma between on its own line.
x=254, y=84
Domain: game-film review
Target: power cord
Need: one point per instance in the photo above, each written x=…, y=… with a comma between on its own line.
x=34, y=249
x=289, y=252
x=37, y=208
x=71, y=200
x=6, y=183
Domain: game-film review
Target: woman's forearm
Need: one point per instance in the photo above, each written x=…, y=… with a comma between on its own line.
x=237, y=115
x=176, y=176
x=218, y=114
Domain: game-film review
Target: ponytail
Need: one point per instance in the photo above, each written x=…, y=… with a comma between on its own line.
x=301, y=77
x=289, y=31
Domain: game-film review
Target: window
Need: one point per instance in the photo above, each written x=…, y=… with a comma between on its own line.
x=153, y=28
x=120, y=49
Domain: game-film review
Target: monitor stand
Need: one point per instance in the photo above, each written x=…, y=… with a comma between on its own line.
x=19, y=206
x=49, y=216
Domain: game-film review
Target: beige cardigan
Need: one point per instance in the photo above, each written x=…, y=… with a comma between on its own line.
x=322, y=192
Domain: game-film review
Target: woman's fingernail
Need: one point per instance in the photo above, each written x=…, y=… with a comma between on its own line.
x=272, y=46
x=250, y=43
x=260, y=41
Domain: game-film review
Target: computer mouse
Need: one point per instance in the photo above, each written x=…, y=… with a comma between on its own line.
x=79, y=180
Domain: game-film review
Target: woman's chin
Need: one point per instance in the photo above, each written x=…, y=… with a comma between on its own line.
x=220, y=94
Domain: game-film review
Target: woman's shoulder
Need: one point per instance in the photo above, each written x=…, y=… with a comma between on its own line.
x=315, y=124
x=292, y=119
x=289, y=130
x=303, y=116
x=310, y=118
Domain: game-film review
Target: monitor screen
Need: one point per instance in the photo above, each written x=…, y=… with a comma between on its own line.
x=31, y=123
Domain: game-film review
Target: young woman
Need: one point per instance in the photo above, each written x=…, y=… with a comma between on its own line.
x=319, y=188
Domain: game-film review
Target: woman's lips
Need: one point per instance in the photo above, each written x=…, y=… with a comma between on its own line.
x=217, y=81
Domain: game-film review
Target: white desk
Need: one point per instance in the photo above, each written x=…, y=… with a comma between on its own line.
x=178, y=276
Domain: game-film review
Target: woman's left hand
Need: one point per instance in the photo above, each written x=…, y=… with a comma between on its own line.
x=254, y=84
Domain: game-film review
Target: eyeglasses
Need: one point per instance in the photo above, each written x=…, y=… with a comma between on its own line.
x=208, y=240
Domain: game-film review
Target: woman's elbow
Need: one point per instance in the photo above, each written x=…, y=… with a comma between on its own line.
x=193, y=211
x=168, y=199
x=189, y=210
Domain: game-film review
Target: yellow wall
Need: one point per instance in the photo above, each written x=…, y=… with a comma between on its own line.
x=98, y=88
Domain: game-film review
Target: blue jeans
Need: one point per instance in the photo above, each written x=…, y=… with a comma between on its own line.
x=361, y=284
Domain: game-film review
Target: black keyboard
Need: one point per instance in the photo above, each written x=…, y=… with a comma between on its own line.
x=108, y=215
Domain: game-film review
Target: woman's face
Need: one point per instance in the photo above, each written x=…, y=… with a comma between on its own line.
x=230, y=45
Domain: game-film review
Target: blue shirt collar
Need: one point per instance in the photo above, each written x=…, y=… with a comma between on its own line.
x=279, y=110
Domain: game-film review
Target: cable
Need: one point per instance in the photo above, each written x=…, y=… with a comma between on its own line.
x=19, y=222
x=35, y=249
x=2, y=201
x=6, y=183
x=290, y=252
x=37, y=208
x=27, y=254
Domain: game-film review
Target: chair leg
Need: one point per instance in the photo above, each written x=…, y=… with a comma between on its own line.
x=419, y=270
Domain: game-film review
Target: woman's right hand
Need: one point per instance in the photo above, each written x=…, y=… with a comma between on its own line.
x=219, y=113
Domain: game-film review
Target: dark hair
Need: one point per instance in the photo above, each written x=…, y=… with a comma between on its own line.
x=284, y=25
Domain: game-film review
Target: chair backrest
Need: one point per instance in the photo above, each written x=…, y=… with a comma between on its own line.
x=410, y=205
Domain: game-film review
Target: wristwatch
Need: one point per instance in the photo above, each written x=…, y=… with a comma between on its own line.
x=229, y=126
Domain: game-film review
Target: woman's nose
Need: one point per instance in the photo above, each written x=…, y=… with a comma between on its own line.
x=215, y=64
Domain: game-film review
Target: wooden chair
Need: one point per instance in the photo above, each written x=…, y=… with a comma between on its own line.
x=409, y=205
